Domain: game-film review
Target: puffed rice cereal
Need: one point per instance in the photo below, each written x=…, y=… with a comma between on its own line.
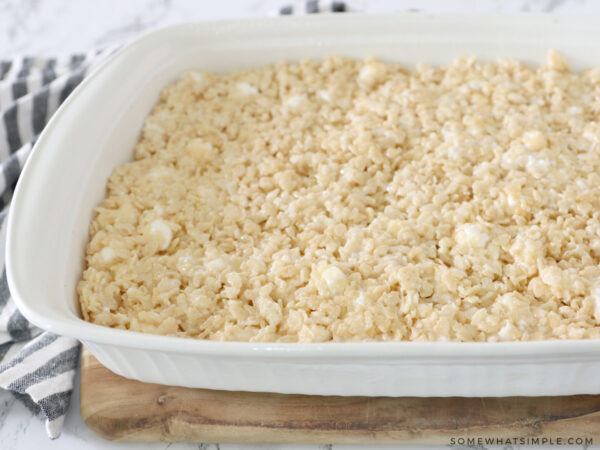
x=350, y=200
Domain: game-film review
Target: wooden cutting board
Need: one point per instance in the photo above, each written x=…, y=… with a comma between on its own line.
x=126, y=410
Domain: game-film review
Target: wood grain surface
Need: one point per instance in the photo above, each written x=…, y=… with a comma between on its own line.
x=126, y=410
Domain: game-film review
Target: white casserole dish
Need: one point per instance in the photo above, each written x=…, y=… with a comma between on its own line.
x=97, y=127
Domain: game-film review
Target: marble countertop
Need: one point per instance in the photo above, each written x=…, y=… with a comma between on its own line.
x=53, y=27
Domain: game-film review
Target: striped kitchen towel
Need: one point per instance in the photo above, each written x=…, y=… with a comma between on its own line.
x=299, y=7
x=37, y=366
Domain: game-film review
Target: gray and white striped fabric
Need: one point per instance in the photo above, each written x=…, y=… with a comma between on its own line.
x=300, y=7
x=37, y=366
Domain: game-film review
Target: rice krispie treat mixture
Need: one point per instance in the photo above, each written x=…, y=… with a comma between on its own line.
x=351, y=200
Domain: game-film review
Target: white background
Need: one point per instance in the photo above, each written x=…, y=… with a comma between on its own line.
x=50, y=27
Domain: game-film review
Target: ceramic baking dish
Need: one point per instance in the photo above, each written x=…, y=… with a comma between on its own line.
x=97, y=127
